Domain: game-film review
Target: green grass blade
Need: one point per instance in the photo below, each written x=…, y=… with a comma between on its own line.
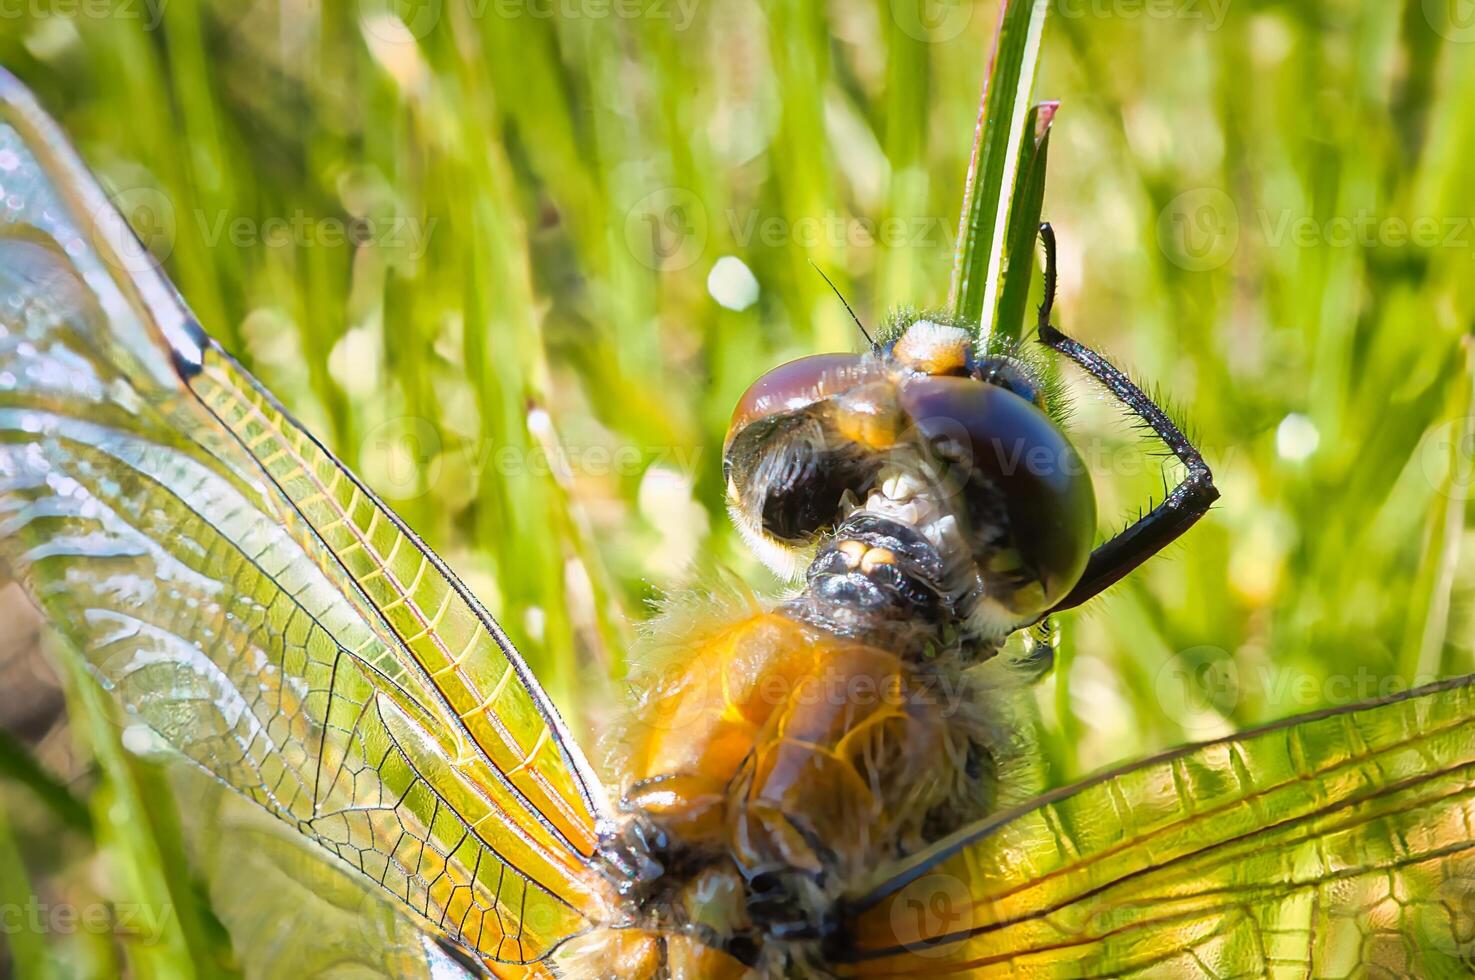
x=1427, y=635
x=18, y=766
x=121, y=818
x=24, y=952
x=1024, y=221
x=1002, y=120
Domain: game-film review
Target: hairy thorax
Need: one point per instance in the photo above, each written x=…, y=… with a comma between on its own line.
x=768, y=765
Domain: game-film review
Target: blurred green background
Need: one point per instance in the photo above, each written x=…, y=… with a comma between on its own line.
x=475, y=245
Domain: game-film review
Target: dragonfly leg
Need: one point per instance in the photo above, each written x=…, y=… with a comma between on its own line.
x=1183, y=505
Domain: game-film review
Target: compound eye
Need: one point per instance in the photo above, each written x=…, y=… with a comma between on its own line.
x=1012, y=376
x=792, y=453
x=1016, y=468
x=792, y=386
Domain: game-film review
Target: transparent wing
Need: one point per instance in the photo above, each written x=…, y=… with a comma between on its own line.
x=1333, y=845
x=302, y=916
x=245, y=595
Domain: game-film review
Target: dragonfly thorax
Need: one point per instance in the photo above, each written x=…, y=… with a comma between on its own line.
x=780, y=758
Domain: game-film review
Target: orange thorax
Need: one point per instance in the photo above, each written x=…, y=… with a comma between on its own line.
x=790, y=748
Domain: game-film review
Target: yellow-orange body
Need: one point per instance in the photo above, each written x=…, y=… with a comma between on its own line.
x=767, y=745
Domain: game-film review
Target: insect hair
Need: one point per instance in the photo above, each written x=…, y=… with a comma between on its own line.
x=1023, y=353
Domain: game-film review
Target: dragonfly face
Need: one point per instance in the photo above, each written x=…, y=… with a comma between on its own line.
x=925, y=479
x=246, y=596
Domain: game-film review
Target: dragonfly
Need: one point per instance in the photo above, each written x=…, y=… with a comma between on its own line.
x=817, y=786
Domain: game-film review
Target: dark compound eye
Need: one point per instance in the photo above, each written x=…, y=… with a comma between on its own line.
x=794, y=385
x=797, y=475
x=1017, y=466
x=1011, y=375
x=800, y=439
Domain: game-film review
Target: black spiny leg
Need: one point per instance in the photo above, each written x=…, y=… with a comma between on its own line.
x=1179, y=510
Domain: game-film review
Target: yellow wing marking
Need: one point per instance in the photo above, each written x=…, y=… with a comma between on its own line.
x=1306, y=848
x=367, y=551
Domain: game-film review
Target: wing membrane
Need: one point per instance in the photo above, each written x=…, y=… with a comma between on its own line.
x=427, y=613
x=1323, y=846
x=301, y=916
x=246, y=596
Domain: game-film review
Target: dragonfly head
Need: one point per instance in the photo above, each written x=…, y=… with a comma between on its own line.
x=922, y=481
